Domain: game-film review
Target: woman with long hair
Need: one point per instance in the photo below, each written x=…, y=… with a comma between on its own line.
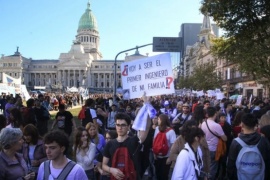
x=84, y=151
x=198, y=114
x=33, y=148
x=179, y=144
x=162, y=166
x=236, y=128
x=96, y=138
x=15, y=119
x=189, y=161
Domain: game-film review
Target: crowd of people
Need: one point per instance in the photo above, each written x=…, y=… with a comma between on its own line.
x=181, y=138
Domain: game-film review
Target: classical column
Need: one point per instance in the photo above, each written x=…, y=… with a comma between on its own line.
x=68, y=78
x=59, y=76
x=64, y=78
x=99, y=75
x=88, y=78
x=74, y=78
x=80, y=77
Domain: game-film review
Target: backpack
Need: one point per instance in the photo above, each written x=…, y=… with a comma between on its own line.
x=88, y=117
x=249, y=162
x=160, y=145
x=122, y=160
x=64, y=173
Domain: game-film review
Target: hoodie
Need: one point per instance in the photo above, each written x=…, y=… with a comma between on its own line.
x=249, y=139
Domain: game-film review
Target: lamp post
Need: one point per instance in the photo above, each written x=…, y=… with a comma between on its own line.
x=115, y=67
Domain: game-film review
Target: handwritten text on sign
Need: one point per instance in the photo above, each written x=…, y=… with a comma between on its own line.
x=152, y=75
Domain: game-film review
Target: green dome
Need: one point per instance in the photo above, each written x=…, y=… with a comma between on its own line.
x=88, y=20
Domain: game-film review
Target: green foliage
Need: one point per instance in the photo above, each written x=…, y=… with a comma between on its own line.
x=204, y=77
x=247, y=26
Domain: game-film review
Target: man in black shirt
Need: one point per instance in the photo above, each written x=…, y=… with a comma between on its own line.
x=64, y=120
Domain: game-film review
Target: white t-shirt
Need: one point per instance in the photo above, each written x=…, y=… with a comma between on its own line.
x=212, y=140
x=171, y=137
x=76, y=173
x=31, y=151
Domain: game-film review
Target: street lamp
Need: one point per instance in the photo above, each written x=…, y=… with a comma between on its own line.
x=115, y=65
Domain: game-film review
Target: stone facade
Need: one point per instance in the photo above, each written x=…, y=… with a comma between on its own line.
x=234, y=81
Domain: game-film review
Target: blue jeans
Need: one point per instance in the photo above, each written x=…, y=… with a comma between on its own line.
x=213, y=165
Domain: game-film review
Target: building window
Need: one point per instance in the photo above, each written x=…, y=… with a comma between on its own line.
x=96, y=66
x=260, y=93
x=15, y=74
x=10, y=64
x=108, y=84
x=249, y=92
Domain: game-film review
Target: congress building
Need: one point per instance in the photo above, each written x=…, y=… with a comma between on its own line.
x=82, y=66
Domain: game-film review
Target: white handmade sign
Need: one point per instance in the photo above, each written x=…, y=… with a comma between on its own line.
x=152, y=75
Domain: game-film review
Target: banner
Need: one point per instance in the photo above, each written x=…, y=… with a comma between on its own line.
x=10, y=80
x=152, y=75
x=4, y=88
x=39, y=87
x=24, y=92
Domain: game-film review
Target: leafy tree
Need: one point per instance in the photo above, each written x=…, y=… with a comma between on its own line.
x=184, y=82
x=247, y=37
x=203, y=77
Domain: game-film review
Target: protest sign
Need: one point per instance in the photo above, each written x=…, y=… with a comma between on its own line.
x=239, y=100
x=220, y=96
x=152, y=75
